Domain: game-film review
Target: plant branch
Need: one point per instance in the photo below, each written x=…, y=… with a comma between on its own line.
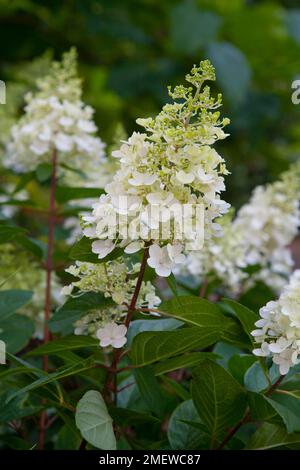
x=49, y=270
x=118, y=353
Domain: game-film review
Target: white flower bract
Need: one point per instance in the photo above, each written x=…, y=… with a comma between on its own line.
x=278, y=330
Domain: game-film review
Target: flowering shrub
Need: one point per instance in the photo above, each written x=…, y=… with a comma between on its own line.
x=124, y=340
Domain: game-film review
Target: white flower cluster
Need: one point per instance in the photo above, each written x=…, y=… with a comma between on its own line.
x=170, y=166
x=279, y=327
x=55, y=119
x=18, y=271
x=257, y=238
x=117, y=281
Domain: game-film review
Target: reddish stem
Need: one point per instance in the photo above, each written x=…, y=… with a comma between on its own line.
x=118, y=353
x=49, y=269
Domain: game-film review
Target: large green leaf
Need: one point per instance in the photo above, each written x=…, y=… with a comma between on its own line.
x=125, y=417
x=74, y=369
x=12, y=300
x=255, y=379
x=65, y=193
x=180, y=434
x=16, y=408
x=94, y=422
x=239, y=364
x=151, y=347
x=9, y=232
x=163, y=324
x=64, y=344
x=16, y=331
x=234, y=334
x=260, y=409
x=194, y=311
x=187, y=360
x=150, y=391
x=246, y=316
x=270, y=436
x=288, y=408
x=219, y=398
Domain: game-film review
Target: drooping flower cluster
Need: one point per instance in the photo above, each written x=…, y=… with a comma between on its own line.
x=278, y=330
x=257, y=238
x=18, y=271
x=116, y=280
x=170, y=165
x=55, y=119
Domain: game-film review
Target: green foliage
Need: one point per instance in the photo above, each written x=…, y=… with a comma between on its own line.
x=94, y=422
x=219, y=399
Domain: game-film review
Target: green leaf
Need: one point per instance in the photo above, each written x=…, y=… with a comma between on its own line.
x=151, y=347
x=67, y=440
x=16, y=409
x=82, y=251
x=94, y=422
x=246, y=316
x=63, y=320
x=43, y=172
x=270, y=436
x=65, y=193
x=9, y=233
x=12, y=300
x=192, y=28
x=74, y=369
x=124, y=417
x=234, y=334
x=255, y=379
x=288, y=408
x=260, y=409
x=239, y=364
x=180, y=434
x=219, y=398
x=232, y=70
x=138, y=326
x=22, y=328
x=30, y=245
x=149, y=389
x=188, y=360
x=194, y=311
x=64, y=344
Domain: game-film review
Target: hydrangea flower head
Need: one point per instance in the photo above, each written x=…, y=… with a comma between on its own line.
x=278, y=330
x=55, y=119
x=116, y=280
x=170, y=165
x=258, y=236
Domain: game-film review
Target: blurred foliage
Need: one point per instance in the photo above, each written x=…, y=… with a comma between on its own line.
x=130, y=50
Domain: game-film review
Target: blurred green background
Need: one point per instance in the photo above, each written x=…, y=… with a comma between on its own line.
x=130, y=50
